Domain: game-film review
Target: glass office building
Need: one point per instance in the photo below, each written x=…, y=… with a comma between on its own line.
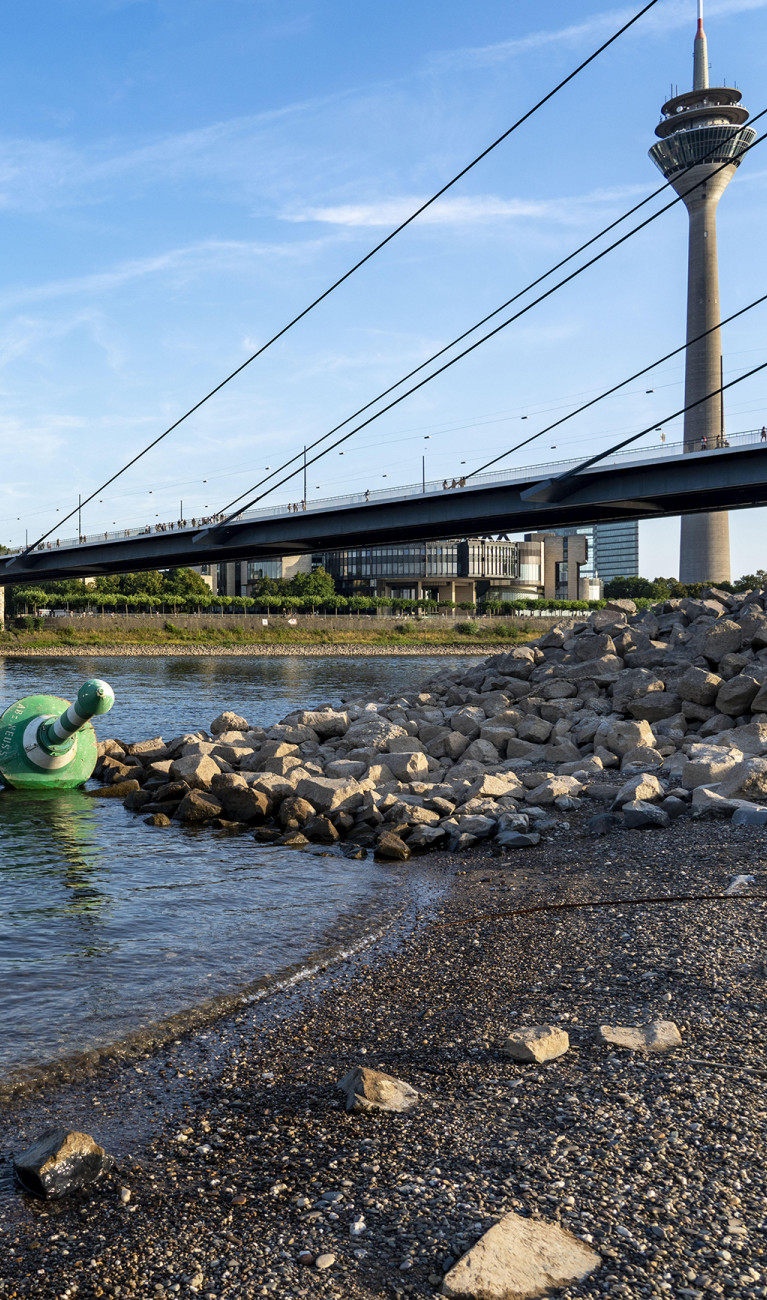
x=613, y=549
x=456, y=570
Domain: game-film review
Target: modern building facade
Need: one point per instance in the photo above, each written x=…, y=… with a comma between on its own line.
x=613, y=549
x=238, y=577
x=702, y=138
x=462, y=570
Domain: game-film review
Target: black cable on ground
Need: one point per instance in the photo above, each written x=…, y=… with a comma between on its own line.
x=347, y=274
x=651, y=901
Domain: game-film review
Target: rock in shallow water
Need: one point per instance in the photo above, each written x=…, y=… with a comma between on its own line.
x=59, y=1162
x=518, y=1259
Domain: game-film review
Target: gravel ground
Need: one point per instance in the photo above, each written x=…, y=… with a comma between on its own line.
x=656, y=1160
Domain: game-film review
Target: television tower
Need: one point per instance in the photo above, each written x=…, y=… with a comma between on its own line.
x=699, y=131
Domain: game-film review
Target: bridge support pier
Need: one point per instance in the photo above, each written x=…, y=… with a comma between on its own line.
x=2, y=607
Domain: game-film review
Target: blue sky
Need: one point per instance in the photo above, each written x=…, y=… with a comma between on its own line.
x=179, y=177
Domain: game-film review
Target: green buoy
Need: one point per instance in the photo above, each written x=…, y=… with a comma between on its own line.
x=48, y=743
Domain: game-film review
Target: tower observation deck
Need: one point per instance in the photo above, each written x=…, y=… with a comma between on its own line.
x=700, y=131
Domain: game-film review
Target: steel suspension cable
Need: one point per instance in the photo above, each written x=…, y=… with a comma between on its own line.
x=479, y=342
x=466, y=333
x=609, y=391
x=347, y=274
x=690, y=406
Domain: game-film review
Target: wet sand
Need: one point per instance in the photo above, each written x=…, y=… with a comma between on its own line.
x=238, y=1155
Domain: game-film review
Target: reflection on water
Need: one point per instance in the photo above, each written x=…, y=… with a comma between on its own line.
x=106, y=924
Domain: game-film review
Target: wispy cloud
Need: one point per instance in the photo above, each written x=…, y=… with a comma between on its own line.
x=194, y=259
x=462, y=211
x=597, y=27
x=36, y=175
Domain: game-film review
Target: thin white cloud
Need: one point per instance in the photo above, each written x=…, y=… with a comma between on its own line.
x=598, y=26
x=460, y=211
x=203, y=257
x=36, y=175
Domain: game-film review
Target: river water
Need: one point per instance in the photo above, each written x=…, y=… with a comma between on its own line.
x=107, y=925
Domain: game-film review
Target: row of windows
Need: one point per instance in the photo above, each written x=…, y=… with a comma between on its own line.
x=711, y=144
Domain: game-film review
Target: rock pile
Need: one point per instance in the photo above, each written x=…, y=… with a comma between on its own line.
x=650, y=716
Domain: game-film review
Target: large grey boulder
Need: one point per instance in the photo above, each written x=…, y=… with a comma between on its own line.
x=331, y=794
x=228, y=722
x=391, y=848
x=198, y=770
x=746, y=780
x=468, y=721
x=750, y=739
x=619, y=736
x=725, y=637
x=644, y=786
x=708, y=764
x=198, y=806
x=367, y=1089
x=371, y=732
x=698, y=686
x=407, y=767
x=735, y=696
x=639, y=815
x=593, y=646
x=324, y=723
x=654, y=706
x=519, y=1259
x=243, y=803
x=60, y=1161
x=534, y=728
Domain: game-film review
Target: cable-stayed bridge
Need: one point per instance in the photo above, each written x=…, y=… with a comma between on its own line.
x=654, y=482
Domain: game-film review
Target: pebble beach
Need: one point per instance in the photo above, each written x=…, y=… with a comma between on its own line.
x=239, y=1172
x=632, y=939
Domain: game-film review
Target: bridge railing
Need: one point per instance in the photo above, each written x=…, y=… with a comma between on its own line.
x=500, y=477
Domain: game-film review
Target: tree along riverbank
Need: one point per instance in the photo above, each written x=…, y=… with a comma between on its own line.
x=200, y=634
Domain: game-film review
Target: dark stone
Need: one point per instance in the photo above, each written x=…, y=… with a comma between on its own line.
x=355, y=851
x=59, y=1162
x=639, y=814
x=391, y=848
x=343, y=822
x=157, y=819
x=518, y=840
x=197, y=806
x=320, y=830
x=137, y=798
x=756, y=816
x=603, y=823
x=243, y=804
x=674, y=807
x=172, y=791
x=267, y=835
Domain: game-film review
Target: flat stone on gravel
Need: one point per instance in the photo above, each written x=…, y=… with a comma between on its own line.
x=536, y=1043
x=59, y=1162
x=367, y=1089
x=518, y=1259
x=657, y=1036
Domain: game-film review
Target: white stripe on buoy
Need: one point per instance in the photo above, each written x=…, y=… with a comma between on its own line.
x=69, y=722
x=38, y=756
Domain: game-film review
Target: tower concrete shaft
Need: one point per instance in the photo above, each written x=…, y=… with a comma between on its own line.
x=702, y=139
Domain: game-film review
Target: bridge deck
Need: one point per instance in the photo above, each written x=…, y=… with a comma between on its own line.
x=654, y=482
